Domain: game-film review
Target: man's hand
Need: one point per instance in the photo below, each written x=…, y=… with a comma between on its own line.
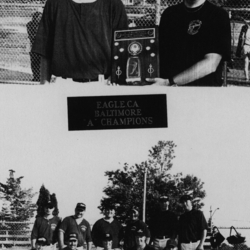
x=158, y=81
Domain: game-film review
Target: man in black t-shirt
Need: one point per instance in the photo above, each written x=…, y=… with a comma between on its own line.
x=194, y=41
x=107, y=225
x=163, y=225
x=74, y=38
x=133, y=225
x=193, y=227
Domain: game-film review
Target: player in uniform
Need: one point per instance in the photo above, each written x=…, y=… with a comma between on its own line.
x=163, y=224
x=72, y=242
x=107, y=241
x=43, y=234
x=107, y=225
x=133, y=225
x=193, y=227
x=194, y=41
x=140, y=239
x=76, y=224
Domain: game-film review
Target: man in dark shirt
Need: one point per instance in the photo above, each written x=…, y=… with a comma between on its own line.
x=107, y=225
x=43, y=232
x=133, y=225
x=163, y=225
x=194, y=40
x=74, y=38
x=193, y=227
x=76, y=224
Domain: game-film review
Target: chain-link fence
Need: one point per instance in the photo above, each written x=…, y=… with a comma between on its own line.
x=15, y=234
x=20, y=19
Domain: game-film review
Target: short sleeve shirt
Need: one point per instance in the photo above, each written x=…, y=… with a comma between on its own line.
x=83, y=230
x=191, y=226
x=77, y=37
x=102, y=227
x=187, y=35
x=130, y=231
x=44, y=228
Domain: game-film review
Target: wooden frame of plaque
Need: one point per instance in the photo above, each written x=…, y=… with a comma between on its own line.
x=135, y=56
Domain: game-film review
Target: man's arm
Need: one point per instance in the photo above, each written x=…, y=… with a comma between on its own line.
x=203, y=238
x=61, y=239
x=89, y=245
x=45, y=70
x=202, y=68
x=33, y=244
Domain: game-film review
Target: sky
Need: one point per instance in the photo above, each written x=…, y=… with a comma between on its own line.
x=210, y=126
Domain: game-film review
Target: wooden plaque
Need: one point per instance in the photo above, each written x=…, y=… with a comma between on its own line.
x=135, y=56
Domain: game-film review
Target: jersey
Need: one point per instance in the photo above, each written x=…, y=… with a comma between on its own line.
x=163, y=224
x=44, y=228
x=77, y=37
x=102, y=227
x=130, y=231
x=187, y=35
x=83, y=230
x=191, y=226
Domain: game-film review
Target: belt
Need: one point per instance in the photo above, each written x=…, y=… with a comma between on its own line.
x=106, y=76
x=85, y=80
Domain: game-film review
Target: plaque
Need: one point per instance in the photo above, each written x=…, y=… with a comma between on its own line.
x=135, y=56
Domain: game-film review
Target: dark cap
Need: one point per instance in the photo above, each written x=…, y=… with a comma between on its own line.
x=171, y=244
x=107, y=237
x=164, y=198
x=81, y=206
x=73, y=236
x=140, y=233
x=185, y=198
x=49, y=204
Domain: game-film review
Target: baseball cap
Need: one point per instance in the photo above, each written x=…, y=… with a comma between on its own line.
x=49, y=205
x=164, y=198
x=140, y=233
x=185, y=197
x=81, y=206
x=107, y=237
x=73, y=236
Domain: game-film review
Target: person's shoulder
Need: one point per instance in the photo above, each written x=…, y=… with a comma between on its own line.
x=173, y=8
x=84, y=221
x=56, y=219
x=197, y=212
x=216, y=10
x=68, y=218
x=99, y=221
x=39, y=219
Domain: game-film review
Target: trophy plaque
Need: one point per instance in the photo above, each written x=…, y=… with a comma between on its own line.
x=135, y=56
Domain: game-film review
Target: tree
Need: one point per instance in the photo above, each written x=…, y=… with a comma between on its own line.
x=125, y=186
x=18, y=205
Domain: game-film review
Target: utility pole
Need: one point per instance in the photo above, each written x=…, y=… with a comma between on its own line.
x=144, y=193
